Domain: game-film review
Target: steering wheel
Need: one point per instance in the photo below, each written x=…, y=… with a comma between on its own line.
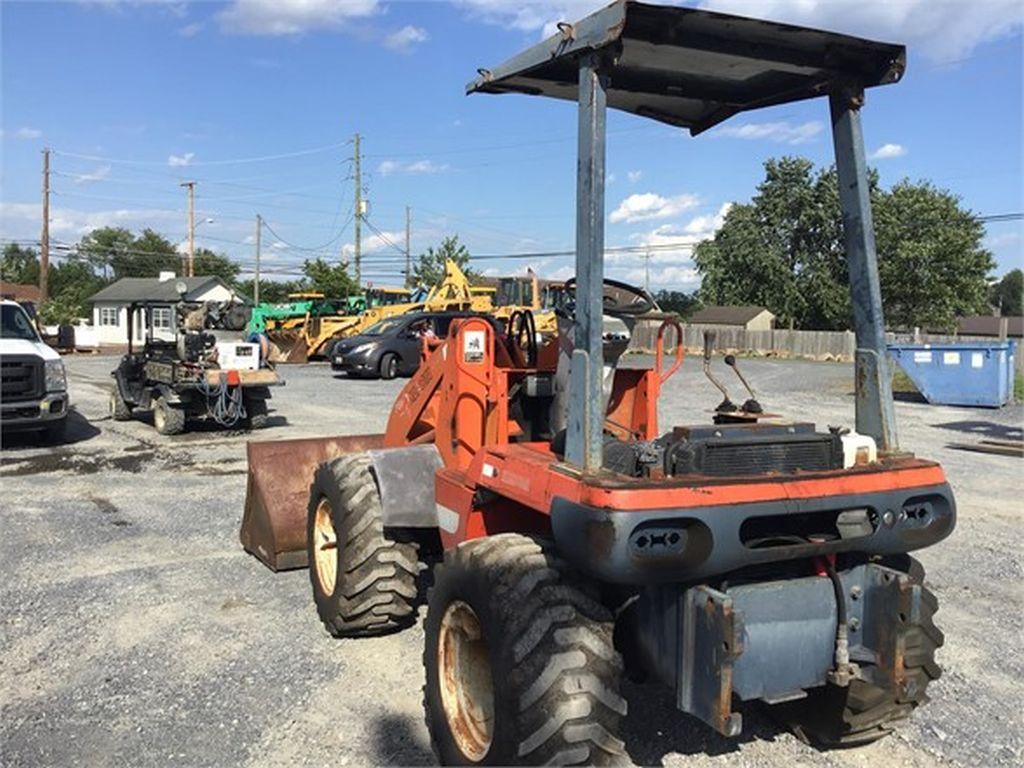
x=619, y=299
x=521, y=324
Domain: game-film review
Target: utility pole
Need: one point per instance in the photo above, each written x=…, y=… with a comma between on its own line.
x=647, y=271
x=358, y=211
x=408, y=251
x=191, y=264
x=44, y=237
x=256, y=281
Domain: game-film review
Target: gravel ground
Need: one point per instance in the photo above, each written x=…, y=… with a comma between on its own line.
x=135, y=631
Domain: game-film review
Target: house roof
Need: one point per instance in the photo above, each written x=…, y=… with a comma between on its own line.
x=988, y=325
x=19, y=291
x=715, y=315
x=129, y=289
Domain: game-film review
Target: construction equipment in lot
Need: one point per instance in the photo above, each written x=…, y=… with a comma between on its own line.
x=295, y=341
x=199, y=374
x=746, y=560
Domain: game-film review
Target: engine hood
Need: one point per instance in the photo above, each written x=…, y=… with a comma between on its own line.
x=24, y=347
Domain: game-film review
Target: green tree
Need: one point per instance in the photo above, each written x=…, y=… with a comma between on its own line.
x=683, y=304
x=428, y=271
x=19, y=265
x=332, y=280
x=784, y=250
x=217, y=264
x=107, y=249
x=1007, y=295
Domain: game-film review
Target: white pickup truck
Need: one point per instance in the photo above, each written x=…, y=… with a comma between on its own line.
x=33, y=382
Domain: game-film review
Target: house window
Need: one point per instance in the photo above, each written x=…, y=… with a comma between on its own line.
x=162, y=318
x=108, y=316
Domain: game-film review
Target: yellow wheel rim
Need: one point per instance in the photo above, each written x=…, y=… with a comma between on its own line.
x=325, y=547
x=464, y=676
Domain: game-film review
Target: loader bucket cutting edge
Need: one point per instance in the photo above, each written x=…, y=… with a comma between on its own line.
x=277, y=494
x=287, y=346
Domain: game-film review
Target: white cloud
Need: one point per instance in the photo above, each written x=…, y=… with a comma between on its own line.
x=23, y=220
x=292, y=17
x=887, y=151
x=99, y=174
x=782, y=132
x=376, y=242
x=648, y=205
x=22, y=133
x=406, y=38
x=191, y=30
x=671, y=244
x=941, y=30
x=529, y=15
x=634, y=176
x=610, y=178
x=178, y=161
x=390, y=167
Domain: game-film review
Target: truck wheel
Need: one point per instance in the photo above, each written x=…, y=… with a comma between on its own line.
x=862, y=713
x=520, y=665
x=364, y=583
x=168, y=419
x=256, y=413
x=119, y=409
x=389, y=366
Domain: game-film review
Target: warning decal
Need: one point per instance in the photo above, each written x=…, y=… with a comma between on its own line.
x=473, y=346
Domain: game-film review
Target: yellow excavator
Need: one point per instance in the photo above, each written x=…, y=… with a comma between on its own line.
x=296, y=341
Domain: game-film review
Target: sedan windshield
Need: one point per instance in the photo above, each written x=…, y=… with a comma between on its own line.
x=14, y=324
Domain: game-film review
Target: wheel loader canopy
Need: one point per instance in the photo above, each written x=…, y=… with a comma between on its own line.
x=692, y=68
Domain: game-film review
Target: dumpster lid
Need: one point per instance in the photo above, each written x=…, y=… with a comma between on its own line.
x=692, y=68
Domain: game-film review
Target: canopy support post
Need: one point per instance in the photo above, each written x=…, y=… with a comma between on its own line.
x=585, y=431
x=875, y=414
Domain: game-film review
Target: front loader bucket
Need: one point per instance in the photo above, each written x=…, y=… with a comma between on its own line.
x=277, y=494
x=287, y=346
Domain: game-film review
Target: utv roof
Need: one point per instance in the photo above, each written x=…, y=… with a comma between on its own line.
x=692, y=68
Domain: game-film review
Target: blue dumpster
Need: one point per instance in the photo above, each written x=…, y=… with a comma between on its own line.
x=969, y=373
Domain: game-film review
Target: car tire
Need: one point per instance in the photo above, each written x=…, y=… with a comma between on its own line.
x=168, y=419
x=388, y=365
x=256, y=413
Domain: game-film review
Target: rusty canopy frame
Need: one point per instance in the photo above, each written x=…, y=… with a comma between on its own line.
x=694, y=69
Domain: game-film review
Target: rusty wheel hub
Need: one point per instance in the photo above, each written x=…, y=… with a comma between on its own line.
x=325, y=548
x=464, y=676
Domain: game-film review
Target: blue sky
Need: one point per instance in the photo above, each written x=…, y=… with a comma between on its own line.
x=135, y=97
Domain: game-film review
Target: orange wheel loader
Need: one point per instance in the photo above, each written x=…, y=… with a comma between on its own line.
x=745, y=559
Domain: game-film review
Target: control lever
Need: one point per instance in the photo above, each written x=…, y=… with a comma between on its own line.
x=751, y=406
x=727, y=405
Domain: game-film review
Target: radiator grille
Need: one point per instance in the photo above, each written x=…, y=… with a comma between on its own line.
x=20, y=377
x=757, y=458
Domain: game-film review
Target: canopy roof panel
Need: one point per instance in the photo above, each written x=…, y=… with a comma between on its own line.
x=694, y=68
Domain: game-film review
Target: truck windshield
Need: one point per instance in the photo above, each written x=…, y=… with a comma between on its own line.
x=14, y=324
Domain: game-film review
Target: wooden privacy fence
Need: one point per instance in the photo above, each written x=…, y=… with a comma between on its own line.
x=813, y=345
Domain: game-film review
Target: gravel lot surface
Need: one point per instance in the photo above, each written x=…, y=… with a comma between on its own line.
x=136, y=632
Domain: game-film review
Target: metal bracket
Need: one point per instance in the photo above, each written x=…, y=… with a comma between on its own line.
x=405, y=477
x=712, y=641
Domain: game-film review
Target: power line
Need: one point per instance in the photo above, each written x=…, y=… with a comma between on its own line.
x=190, y=163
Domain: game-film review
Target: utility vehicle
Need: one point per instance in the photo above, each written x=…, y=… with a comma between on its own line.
x=746, y=558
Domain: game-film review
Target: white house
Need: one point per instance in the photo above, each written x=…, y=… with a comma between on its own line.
x=110, y=305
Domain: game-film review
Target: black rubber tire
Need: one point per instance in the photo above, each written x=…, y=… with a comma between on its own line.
x=554, y=668
x=119, y=409
x=256, y=416
x=388, y=365
x=862, y=713
x=168, y=419
x=375, y=591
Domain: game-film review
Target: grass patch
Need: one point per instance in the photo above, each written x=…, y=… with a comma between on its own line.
x=1018, y=387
